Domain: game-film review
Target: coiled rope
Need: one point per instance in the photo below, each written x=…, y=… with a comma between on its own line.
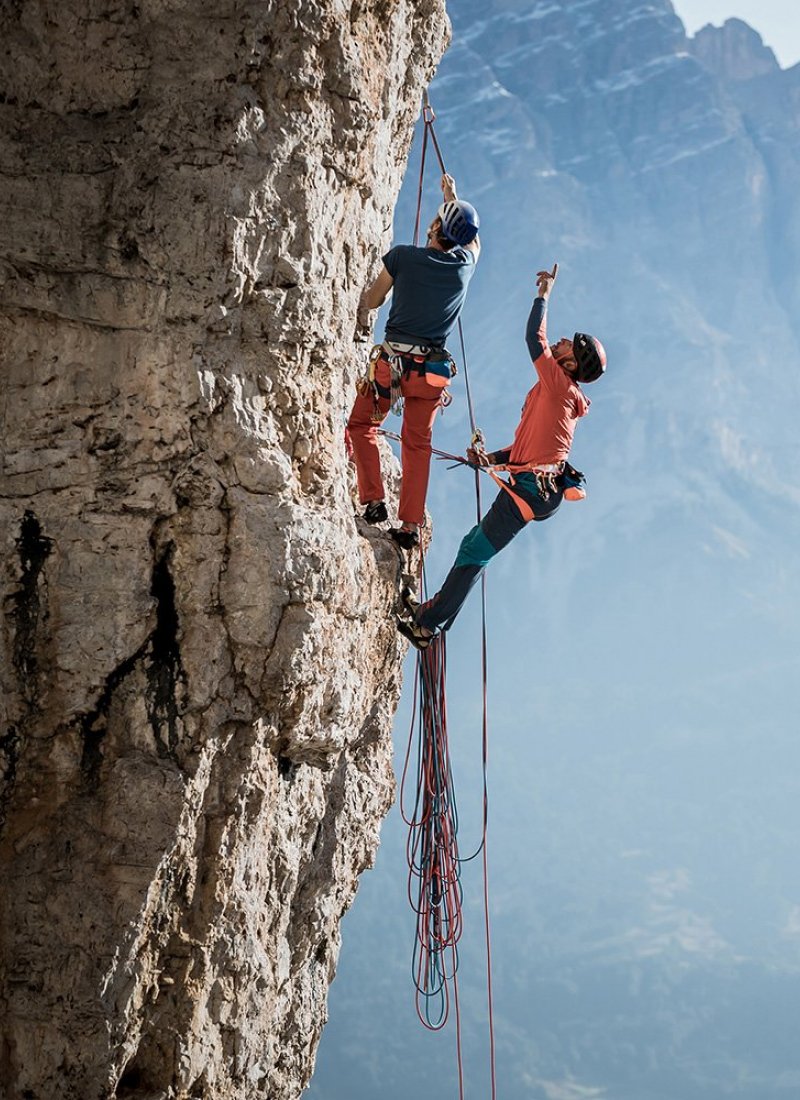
x=434, y=886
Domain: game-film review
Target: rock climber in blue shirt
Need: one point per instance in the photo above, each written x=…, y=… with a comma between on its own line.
x=429, y=287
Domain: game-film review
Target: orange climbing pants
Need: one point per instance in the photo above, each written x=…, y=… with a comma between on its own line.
x=420, y=400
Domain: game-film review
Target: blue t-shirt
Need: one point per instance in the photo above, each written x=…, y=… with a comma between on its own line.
x=428, y=291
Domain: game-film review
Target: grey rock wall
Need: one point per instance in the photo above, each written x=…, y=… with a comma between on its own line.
x=733, y=51
x=199, y=671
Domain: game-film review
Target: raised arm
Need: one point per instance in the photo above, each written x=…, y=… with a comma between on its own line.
x=536, y=330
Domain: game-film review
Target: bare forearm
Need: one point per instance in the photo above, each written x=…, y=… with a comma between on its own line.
x=373, y=297
x=370, y=300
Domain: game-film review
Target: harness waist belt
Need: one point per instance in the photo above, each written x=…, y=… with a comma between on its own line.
x=520, y=468
x=550, y=468
x=410, y=349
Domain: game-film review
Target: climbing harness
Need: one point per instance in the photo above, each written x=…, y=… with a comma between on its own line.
x=549, y=479
x=435, y=364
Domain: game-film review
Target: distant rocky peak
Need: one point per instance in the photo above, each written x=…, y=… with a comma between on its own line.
x=733, y=51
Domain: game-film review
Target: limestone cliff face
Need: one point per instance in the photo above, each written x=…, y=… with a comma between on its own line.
x=199, y=671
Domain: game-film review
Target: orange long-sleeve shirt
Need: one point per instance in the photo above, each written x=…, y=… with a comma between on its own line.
x=552, y=407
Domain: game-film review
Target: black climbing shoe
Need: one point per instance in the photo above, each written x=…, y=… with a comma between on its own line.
x=409, y=603
x=414, y=634
x=407, y=539
x=375, y=512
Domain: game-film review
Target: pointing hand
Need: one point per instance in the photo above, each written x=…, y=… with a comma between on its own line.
x=545, y=280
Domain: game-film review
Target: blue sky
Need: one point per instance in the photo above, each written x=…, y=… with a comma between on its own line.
x=777, y=21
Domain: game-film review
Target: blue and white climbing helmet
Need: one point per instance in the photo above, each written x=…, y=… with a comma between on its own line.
x=460, y=221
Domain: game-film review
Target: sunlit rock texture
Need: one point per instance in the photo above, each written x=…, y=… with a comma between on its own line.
x=199, y=668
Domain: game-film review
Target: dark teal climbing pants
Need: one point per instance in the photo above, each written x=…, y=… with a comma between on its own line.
x=498, y=527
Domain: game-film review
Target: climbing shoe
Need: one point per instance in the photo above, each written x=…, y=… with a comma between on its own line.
x=375, y=512
x=410, y=605
x=414, y=634
x=407, y=539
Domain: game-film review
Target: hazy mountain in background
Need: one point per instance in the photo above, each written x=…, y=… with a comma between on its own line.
x=644, y=777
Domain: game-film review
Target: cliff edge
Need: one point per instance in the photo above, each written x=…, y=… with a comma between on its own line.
x=199, y=668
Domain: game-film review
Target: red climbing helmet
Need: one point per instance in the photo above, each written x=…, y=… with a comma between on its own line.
x=460, y=221
x=590, y=355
